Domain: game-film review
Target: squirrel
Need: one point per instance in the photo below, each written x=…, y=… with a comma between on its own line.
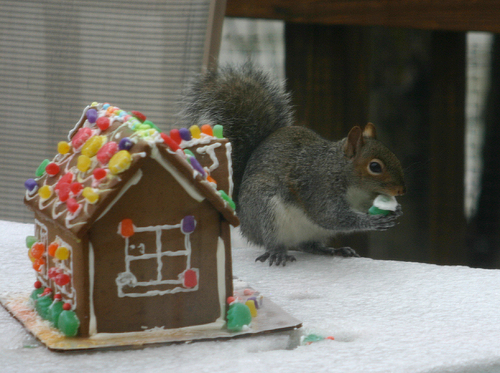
x=293, y=189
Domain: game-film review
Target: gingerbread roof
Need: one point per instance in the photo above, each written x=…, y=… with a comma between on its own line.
x=103, y=153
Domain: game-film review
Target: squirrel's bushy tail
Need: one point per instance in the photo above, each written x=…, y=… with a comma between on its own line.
x=246, y=102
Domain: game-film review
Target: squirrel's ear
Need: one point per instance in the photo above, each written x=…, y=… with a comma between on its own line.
x=370, y=131
x=354, y=142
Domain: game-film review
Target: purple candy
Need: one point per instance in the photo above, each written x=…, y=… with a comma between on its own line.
x=185, y=134
x=92, y=115
x=125, y=144
x=255, y=301
x=188, y=224
x=30, y=184
x=197, y=166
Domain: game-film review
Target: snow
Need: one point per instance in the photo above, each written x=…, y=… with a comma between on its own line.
x=385, y=316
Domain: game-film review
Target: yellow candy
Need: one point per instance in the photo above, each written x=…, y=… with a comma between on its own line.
x=45, y=192
x=92, y=146
x=63, y=147
x=83, y=163
x=120, y=162
x=90, y=195
x=195, y=131
x=251, y=305
x=62, y=253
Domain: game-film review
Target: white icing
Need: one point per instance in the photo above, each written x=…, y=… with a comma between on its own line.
x=229, y=169
x=210, y=150
x=384, y=202
x=93, y=320
x=127, y=282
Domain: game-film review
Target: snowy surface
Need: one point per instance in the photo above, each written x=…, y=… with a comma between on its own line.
x=385, y=317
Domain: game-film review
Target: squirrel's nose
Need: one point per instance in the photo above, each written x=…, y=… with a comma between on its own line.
x=401, y=190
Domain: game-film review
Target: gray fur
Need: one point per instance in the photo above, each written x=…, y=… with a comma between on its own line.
x=293, y=189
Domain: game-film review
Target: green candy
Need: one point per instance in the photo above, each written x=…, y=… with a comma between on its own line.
x=312, y=338
x=226, y=198
x=55, y=310
x=41, y=169
x=30, y=240
x=42, y=306
x=238, y=316
x=34, y=295
x=376, y=211
x=68, y=323
x=217, y=129
x=151, y=125
x=188, y=152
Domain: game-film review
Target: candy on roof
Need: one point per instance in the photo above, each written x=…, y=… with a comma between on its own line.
x=102, y=152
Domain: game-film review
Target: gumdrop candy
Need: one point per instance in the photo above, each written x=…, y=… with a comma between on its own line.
x=376, y=211
x=92, y=146
x=45, y=192
x=52, y=169
x=52, y=248
x=62, y=279
x=218, y=131
x=188, y=152
x=68, y=323
x=152, y=125
x=195, y=131
x=120, y=162
x=252, y=307
x=37, y=250
x=42, y=305
x=55, y=311
x=197, y=166
x=64, y=191
x=207, y=129
x=62, y=253
x=76, y=188
x=188, y=224
x=138, y=115
x=30, y=240
x=90, y=195
x=31, y=185
x=127, y=228
x=68, y=178
x=99, y=173
x=72, y=205
x=35, y=294
x=83, y=163
x=175, y=135
x=41, y=169
x=125, y=144
x=190, y=278
x=103, y=123
x=173, y=145
x=54, y=272
x=238, y=316
x=185, y=134
x=81, y=137
x=226, y=198
x=63, y=147
x=106, y=152
x=92, y=115
x=38, y=264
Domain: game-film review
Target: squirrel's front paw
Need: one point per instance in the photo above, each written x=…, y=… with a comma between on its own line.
x=382, y=223
x=277, y=258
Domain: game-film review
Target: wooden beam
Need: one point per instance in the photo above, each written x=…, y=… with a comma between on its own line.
x=459, y=15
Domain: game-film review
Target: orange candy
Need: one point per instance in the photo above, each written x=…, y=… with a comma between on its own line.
x=38, y=263
x=37, y=250
x=127, y=228
x=52, y=248
x=207, y=129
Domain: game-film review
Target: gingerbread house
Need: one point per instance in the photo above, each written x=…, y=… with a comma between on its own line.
x=132, y=225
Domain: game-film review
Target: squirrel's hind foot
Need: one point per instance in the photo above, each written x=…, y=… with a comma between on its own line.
x=277, y=258
x=320, y=249
x=346, y=252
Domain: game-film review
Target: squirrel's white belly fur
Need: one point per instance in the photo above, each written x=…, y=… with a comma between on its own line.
x=293, y=226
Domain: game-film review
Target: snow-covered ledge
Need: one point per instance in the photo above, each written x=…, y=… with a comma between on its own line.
x=384, y=317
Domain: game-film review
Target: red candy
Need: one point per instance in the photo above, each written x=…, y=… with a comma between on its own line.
x=52, y=169
x=62, y=279
x=67, y=307
x=230, y=300
x=54, y=272
x=99, y=173
x=171, y=143
x=38, y=284
x=81, y=137
x=64, y=191
x=46, y=291
x=127, y=228
x=66, y=179
x=139, y=115
x=103, y=123
x=72, y=205
x=76, y=188
x=58, y=296
x=175, y=135
x=106, y=152
x=190, y=279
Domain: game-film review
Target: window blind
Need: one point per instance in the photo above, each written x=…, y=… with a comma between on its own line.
x=56, y=57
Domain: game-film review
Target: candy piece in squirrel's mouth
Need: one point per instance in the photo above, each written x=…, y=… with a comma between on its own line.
x=383, y=205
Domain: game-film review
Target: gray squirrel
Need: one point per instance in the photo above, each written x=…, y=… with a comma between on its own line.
x=292, y=188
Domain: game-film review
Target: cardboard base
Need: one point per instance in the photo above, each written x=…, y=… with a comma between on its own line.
x=270, y=318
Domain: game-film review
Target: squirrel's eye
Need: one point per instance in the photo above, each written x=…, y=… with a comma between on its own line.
x=375, y=167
